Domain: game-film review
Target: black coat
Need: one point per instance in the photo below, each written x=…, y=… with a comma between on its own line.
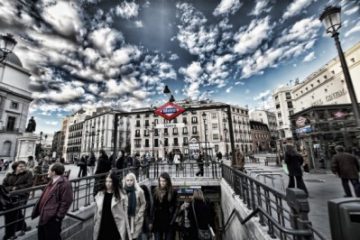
x=163, y=213
x=294, y=162
x=104, y=164
x=120, y=162
x=204, y=215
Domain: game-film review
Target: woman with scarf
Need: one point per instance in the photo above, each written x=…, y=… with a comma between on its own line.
x=136, y=204
x=111, y=221
x=164, y=209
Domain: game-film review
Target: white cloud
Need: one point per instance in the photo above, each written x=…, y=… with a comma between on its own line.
x=261, y=6
x=174, y=57
x=105, y=39
x=67, y=93
x=239, y=83
x=193, y=71
x=139, y=24
x=304, y=29
x=262, y=95
x=352, y=10
x=227, y=6
x=127, y=10
x=353, y=30
x=251, y=38
x=309, y=57
x=228, y=89
x=51, y=123
x=125, y=86
x=296, y=7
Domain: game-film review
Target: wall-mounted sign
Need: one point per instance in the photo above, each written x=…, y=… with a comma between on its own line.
x=302, y=121
x=306, y=129
x=340, y=114
x=169, y=110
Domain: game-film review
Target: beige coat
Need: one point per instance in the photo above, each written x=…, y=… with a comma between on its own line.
x=139, y=213
x=119, y=211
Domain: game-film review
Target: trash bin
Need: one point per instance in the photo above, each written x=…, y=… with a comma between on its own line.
x=344, y=216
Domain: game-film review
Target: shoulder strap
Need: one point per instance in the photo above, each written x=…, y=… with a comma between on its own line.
x=196, y=222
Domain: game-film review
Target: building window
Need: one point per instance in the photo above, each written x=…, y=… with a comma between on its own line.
x=185, y=130
x=185, y=141
x=176, y=142
x=184, y=120
x=215, y=136
x=137, y=133
x=137, y=143
x=276, y=97
x=194, y=130
x=137, y=123
x=333, y=72
x=156, y=143
x=14, y=105
x=11, y=123
x=352, y=60
x=325, y=76
x=146, y=142
x=175, y=131
x=214, y=126
x=277, y=106
x=279, y=115
x=291, y=112
x=146, y=133
x=147, y=123
x=213, y=116
x=318, y=81
x=6, y=149
x=289, y=104
x=166, y=142
x=166, y=132
x=156, y=121
x=194, y=120
x=156, y=132
x=288, y=95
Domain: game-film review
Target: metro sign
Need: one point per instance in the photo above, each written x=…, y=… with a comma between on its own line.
x=340, y=114
x=169, y=111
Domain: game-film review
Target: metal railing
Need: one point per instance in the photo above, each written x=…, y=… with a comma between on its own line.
x=283, y=218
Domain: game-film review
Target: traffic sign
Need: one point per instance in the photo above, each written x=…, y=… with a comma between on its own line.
x=169, y=111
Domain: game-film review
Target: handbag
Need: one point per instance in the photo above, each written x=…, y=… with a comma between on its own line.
x=5, y=200
x=203, y=234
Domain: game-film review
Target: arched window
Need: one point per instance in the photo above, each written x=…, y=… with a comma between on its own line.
x=6, y=148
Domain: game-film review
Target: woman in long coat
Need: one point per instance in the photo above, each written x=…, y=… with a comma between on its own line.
x=164, y=210
x=111, y=221
x=136, y=204
x=294, y=162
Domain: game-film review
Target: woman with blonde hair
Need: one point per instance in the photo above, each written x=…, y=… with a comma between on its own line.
x=201, y=216
x=136, y=204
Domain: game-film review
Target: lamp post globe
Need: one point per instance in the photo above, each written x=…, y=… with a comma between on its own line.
x=331, y=18
x=7, y=44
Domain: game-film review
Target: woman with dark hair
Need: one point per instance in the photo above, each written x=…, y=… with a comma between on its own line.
x=146, y=233
x=103, y=166
x=294, y=161
x=164, y=210
x=111, y=221
x=20, y=178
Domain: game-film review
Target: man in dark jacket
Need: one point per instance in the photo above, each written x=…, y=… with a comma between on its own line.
x=346, y=166
x=53, y=204
x=103, y=166
x=20, y=178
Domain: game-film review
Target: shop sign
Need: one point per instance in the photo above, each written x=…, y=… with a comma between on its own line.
x=169, y=111
x=340, y=114
x=301, y=121
x=194, y=144
x=306, y=129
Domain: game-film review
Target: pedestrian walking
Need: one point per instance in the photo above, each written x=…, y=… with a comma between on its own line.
x=120, y=162
x=1, y=164
x=45, y=165
x=177, y=161
x=136, y=204
x=146, y=232
x=53, y=204
x=82, y=164
x=20, y=178
x=91, y=160
x=111, y=220
x=294, y=162
x=239, y=161
x=200, y=162
x=185, y=226
x=31, y=163
x=346, y=166
x=103, y=166
x=164, y=211
x=201, y=216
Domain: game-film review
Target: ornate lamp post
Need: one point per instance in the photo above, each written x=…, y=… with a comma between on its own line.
x=205, y=132
x=7, y=44
x=331, y=19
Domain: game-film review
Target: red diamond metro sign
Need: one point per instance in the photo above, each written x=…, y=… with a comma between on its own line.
x=169, y=111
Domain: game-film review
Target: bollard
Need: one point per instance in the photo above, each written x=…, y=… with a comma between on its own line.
x=299, y=205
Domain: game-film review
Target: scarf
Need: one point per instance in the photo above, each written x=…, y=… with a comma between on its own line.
x=131, y=200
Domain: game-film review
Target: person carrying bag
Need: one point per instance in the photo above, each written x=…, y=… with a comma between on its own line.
x=203, y=228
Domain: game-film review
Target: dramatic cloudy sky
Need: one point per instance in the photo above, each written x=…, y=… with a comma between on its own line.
x=116, y=53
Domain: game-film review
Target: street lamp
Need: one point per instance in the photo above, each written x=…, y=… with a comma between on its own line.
x=331, y=19
x=226, y=146
x=7, y=44
x=167, y=91
x=205, y=128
